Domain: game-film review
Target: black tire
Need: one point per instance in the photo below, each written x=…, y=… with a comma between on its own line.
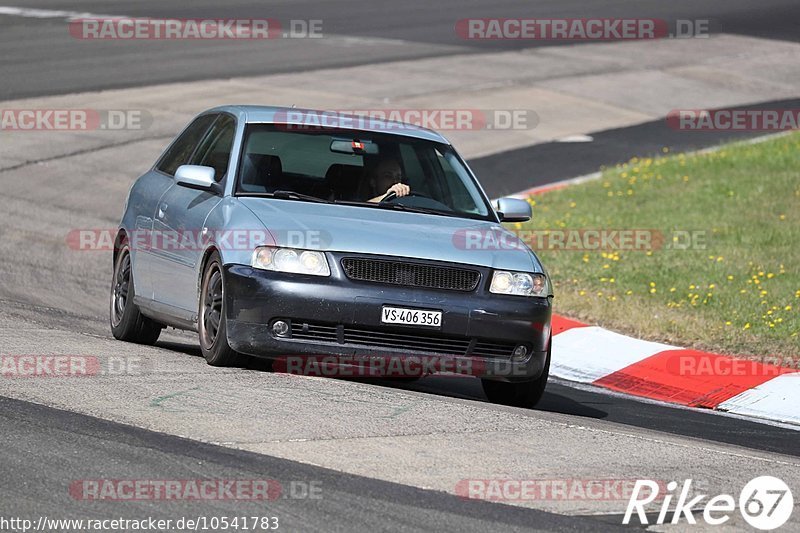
x=518, y=394
x=127, y=322
x=211, y=321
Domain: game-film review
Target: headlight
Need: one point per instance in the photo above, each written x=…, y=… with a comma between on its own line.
x=291, y=260
x=520, y=284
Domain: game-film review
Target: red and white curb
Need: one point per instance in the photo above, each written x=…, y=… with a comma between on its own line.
x=597, y=356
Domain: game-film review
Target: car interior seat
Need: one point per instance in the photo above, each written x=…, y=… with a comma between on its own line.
x=344, y=181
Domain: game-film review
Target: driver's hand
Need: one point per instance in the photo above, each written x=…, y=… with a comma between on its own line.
x=400, y=189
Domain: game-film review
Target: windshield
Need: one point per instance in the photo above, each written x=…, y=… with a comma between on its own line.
x=358, y=168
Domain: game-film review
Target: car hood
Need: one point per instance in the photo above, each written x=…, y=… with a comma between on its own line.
x=376, y=231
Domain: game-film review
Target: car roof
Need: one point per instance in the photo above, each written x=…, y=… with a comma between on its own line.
x=254, y=114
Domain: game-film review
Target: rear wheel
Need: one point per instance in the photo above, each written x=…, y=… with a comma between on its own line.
x=211, y=319
x=127, y=322
x=518, y=394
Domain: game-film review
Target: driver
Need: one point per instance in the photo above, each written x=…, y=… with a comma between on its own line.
x=388, y=177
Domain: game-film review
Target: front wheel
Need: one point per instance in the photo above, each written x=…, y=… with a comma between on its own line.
x=518, y=394
x=212, y=325
x=127, y=322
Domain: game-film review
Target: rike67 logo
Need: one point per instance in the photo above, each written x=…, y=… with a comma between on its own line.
x=766, y=503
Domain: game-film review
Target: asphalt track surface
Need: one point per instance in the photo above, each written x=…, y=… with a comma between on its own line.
x=41, y=58
x=554, y=161
x=45, y=449
x=64, y=442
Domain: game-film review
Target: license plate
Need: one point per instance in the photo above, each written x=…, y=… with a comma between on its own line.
x=411, y=317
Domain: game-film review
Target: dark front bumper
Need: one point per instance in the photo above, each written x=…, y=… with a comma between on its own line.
x=337, y=316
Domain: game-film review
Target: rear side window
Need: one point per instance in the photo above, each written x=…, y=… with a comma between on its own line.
x=183, y=147
x=215, y=150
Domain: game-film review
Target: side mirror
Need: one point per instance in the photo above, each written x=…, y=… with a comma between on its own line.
x=197, y=177
x=513, y=210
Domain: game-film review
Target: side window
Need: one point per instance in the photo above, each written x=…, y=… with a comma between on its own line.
x=215, y=150
x=182, y=149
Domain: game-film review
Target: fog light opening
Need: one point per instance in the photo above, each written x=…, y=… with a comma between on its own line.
x=520, y=353
x=280, y=328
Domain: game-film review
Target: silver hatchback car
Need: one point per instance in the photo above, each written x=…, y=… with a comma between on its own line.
x=278, y=232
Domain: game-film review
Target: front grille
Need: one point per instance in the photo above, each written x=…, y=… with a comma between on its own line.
x=314, y=332
x=429, y=343
x=411, y=274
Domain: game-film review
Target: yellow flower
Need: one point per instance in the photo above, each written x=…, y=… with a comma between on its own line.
x=746, y=326
x=730, y=278
x=727, y=322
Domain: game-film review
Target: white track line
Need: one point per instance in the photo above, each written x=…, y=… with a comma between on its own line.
x=49, y=13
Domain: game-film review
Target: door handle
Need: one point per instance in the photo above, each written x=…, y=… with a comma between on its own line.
x=162, y=210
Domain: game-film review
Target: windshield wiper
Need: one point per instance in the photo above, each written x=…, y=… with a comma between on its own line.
x=398, y=207
x=291, y=195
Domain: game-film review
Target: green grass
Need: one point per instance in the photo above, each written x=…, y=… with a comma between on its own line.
x=739, y=294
